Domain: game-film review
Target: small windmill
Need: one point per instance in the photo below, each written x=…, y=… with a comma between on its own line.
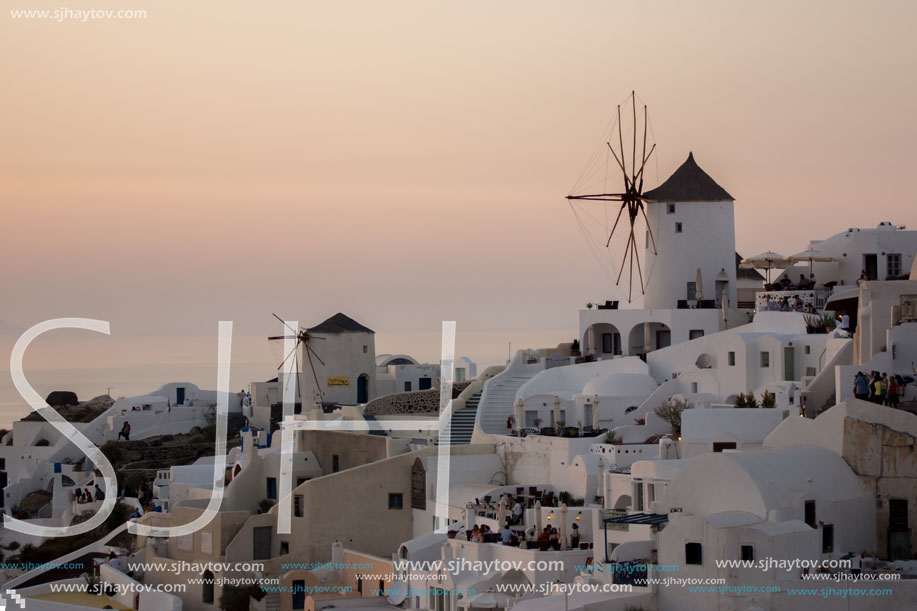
x=631, y=198
x=303, y=338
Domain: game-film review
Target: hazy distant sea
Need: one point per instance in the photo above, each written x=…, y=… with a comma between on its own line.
x=486, y=348
x=124, y=382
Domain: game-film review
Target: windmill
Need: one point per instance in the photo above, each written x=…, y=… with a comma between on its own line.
x=303, y=338
x=631, y=198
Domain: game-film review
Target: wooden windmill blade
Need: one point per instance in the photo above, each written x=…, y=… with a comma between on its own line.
x=632, y=198
x=318, y=387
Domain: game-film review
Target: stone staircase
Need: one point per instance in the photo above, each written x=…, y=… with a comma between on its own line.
x=272, y=602
x=370, y=418
x=497, y=405
x=460, y=428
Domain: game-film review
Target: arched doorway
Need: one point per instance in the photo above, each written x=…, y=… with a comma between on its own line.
x=602, y=339
x=656, y=333
x=363, y=388
x=207, y=588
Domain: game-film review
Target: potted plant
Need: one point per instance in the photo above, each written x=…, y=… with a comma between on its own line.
x=589, y=305
x=612, y=438
x=768, y=400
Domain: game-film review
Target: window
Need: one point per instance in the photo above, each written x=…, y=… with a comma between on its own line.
x=894, y=265
x=284, y=548
x=692, y=291
x=694, y=553
x=638, y=495
x=731, y=359
x=395, y=500
x=765, y=359
x=460, y=374
x=186, y=543
x=531, y=416
x=810, y=513
x=360, y=584
x=335, y=463
x=407, y=386
x=694, y=388
x=808, y=350
x=827, y=538
x=272, y=488
x=365, y=349
x=677, y=227
x=647, y=240
x=747, y=552
x=298, y=506
x=2, y=464
x=695, y=333
x=670, y=208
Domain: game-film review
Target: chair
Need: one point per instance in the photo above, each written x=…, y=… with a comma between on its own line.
x=533, y=490
x=520, y=490
x=682, y=304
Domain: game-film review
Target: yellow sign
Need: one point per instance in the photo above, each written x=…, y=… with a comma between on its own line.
x=339, y=381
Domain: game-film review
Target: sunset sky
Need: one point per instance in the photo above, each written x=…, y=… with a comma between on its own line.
x=403, y=162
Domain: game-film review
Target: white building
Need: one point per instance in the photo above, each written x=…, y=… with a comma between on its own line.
x=885, y=252
x=346, y=363
x=693, y=224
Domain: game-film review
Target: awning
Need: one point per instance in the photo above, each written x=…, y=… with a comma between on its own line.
x=843, y=295
x=639, y=518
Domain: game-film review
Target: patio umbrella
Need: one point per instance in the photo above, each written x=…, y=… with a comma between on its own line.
x=699, y=286
x=501, y=513
x=537, y=519
x=562, y=530
x=811, y=255
x=767, y=260
x=600, y=479
x=556, y=411
x=595, y=413
x=486, y=600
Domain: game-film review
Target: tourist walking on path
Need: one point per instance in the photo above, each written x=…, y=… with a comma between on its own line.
x=125, y=432
x=893, y=392
x=861, y=387
x=878, y=390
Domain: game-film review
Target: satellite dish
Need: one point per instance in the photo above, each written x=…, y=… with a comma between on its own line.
x=703, y=361
x=398, y=592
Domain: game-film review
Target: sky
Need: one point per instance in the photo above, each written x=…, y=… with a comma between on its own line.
x=402, y=162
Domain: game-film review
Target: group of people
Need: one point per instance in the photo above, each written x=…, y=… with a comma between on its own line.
x=85, y=496
x=804, y=284
x=882, y=389
x=783, y=304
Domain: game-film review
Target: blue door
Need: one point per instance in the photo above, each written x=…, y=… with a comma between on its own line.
x=180, y=395
x=362, y=388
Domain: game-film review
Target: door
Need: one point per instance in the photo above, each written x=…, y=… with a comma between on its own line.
x=789, y=363
x=587, y=414
x=425, y=383
x=261, y=543
x=362, y=388
x=871, y=265
x=2, y=486
x=899, y=537
x=663, y=338
x=180, y=395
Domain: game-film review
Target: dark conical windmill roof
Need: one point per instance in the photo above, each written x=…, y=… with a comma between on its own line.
x=689, y=183
x=340, y=323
